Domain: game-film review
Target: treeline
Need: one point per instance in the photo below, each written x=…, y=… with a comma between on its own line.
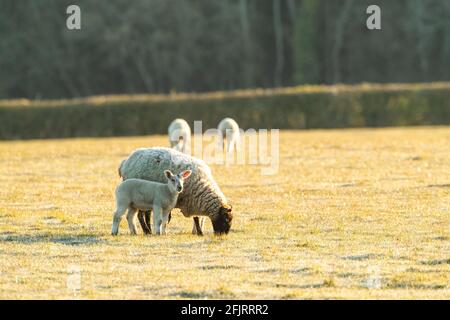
x=161, y=46
x=302, y=107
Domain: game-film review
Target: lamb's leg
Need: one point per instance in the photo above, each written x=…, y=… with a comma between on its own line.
x=145, y=224
x=131, y=217
x=165, y=218
x=157, y=219
x=116, y=219
x=198, y=226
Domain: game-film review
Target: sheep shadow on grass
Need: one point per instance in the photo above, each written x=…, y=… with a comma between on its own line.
x=70, y=240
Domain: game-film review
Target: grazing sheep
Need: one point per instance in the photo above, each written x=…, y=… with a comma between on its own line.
x=180, y=135
x=230, y=131
x=201, y=197
x=135, y=194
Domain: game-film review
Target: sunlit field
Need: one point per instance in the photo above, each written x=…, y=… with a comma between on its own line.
x=362, y=213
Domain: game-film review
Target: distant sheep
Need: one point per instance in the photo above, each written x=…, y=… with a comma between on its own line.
x=138, y=194
x=180, y=135
x=230, y=132
x=201, y=197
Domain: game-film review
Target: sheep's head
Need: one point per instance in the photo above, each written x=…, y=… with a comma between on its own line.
x=176, y=181
x=222, y=220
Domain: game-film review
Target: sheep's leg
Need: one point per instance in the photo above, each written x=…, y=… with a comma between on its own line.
x=230, y=147
x=202, y=223
x=165, y=218
x=131, y=217
x=234, y=143
x=147, y=215
x=237, y=141
x=197, y=228
x=221, y=141
x=157, y=219
x=116, y=219
x=230, y=150
x=223, y=144
x=145, y=223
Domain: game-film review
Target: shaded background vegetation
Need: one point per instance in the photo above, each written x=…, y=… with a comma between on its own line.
x=159, y=46
x=288, y=108
x=167, y=46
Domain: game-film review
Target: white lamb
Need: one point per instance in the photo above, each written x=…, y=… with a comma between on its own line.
x=180, y=135
x=138, y=194
x=230, y=131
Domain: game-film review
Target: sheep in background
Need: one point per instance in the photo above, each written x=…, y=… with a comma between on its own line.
x=230, y=131
x=201, y=196
x=180, y=135
x=137, y=194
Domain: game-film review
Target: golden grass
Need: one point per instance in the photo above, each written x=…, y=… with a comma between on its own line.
x=352, y=214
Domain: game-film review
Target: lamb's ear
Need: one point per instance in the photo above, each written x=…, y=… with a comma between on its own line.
x=168, y=174
x=185, y=174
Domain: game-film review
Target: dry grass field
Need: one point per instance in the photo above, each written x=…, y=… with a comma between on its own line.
x=351, y=214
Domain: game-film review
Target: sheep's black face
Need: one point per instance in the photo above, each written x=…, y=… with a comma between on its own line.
x=222, y=221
